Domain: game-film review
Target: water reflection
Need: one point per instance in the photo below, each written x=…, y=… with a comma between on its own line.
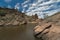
x=23, y=32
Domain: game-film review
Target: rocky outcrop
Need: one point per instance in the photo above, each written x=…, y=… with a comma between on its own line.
x=48, y=29
x=14, y=17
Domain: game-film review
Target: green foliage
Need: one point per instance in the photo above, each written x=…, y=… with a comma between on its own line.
x=2, y=13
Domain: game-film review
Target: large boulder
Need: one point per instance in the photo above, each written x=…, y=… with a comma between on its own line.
x=47, y=31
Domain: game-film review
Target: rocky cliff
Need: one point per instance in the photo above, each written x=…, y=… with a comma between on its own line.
x=14, y=17
x=49, y=28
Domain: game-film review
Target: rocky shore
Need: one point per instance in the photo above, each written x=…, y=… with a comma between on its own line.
x=49, y=29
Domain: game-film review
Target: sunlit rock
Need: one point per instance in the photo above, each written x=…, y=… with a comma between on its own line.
x=47, y=31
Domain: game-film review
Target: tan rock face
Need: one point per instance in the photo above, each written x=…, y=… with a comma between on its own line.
x=14, y=17
x=47, y=31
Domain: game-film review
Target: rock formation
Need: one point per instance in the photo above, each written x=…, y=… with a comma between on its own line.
x=49, y=29
x=14, y=17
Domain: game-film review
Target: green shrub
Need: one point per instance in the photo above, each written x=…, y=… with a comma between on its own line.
x=2, y=13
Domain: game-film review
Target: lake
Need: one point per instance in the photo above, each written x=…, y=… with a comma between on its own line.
x=23, y=32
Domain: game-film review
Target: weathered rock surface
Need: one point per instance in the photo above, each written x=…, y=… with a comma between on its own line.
x=49, y=29
x=14, y=17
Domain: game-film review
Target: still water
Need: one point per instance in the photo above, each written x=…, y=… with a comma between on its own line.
x=23, y=32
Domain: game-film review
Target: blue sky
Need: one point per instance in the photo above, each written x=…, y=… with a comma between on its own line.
x=12, y=3
x=32, y=7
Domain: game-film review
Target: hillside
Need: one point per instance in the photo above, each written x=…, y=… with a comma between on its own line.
x=54, y=18
x=14, y=17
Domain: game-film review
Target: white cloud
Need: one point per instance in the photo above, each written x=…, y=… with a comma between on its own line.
x=40, y=6
x=7, y=1
x=17, y=6
x=24, y=5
